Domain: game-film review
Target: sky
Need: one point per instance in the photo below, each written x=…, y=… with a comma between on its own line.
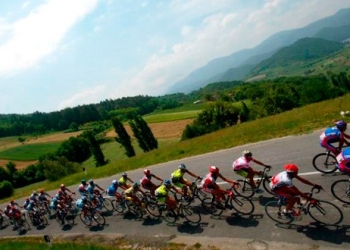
x=56, y=54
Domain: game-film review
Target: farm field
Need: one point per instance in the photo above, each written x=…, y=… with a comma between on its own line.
x=169, y=130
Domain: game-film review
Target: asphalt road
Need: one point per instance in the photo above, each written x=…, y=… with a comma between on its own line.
x=277, y=152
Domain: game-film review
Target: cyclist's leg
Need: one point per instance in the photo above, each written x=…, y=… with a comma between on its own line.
x=291, y=198
x=170, y=202
x=219, y=194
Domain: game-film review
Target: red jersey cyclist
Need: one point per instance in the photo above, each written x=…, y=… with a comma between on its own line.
x=147, y=183
x=210, y=186
x=335, y=134
x=241, y=167
x=282, y=185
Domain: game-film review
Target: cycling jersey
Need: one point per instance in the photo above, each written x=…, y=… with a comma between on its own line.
x=80, y=204
x=146, y=181
x=241, y=163
x=343, y=160
x=82, y=189
x=161, y=191
x=177, y=175
x=123, y=180
x=130, y=191
x=280, y=180
x=112, y=189
x=331, y=135
x=209, y=182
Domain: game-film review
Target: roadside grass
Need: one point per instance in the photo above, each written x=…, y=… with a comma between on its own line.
x=173, y=116
x=297, y=121
x=29, y=152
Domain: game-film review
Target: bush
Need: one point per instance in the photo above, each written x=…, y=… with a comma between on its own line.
x=59, y=168
x=6, y=189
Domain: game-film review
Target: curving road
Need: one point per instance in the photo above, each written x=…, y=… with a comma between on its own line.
x=297, y=149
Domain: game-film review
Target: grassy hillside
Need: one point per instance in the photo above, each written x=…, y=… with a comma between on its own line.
x=297, y=121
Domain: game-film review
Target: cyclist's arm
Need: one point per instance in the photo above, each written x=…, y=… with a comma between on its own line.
x=130, y=180
x=305, y=181
x=296, y=191
x=346, y=136
x=226, y=179
x=260, y=163
x=156, y=177
x=177, y=190
x=192, y=174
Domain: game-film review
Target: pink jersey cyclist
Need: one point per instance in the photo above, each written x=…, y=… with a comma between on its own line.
x=344, y=161
x=333, y=135
x=147, y=183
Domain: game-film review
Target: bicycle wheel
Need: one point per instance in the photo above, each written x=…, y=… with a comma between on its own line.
x=59, y=220
x=4, y=222
x=107, y=204
x=154, y=209
x=99, y=218
x=70, y=219
x=325, y=213
x=118, y=206
x=85, y=219
x=244, y=189
x=242, y=205
x=170, y=216
x=325, y=163
x=209, y=205
x=274, y=210
x=341, y=190
x=191, y=214
x=136, y=210
x=266, y=185
x=200, y=194
x=43, y=220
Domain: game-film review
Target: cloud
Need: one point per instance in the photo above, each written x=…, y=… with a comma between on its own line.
x=91, y=95
x=39, y=34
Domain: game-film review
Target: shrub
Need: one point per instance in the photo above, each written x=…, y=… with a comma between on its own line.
x=6, y=189
x=59, y=168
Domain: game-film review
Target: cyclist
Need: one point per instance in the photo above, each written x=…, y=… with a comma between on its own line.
x=282, y=185
x=241, y=167
x=343, y=160
x=31, y=208
x=93, y=194
x=333, y=135
x=65, y=190
x=42, y=195
x=146, y=182
x=82, y=188
x=130, y=194
x=83, y=204
x=112, y=190
x=177, y=178
x=26, y=203
x=162, y=194
x=123, y=181
x=34, y=196
x=209, y=184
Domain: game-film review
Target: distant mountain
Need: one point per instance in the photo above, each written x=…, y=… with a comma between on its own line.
x=217, y=68
x=337, y=34
x=302, y=50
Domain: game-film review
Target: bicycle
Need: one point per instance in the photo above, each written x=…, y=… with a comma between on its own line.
x=4, y=221
x=37, y=217
x=193, y=192
x=246, y=190
x=92, y=214
x=63, y=216
x=172, y=215
x=341, y=190
x=21, y=224
x=323, y=212
x=240, y=204
x=325, y=162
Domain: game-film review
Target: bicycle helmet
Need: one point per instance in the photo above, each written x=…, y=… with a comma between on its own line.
x=41, y=191
x=125, y=175
x=12, y=202
x=146, y=172
x=34, y=193
x=182, y=166
x=291, y=168
x=214, y=170
x=8, y=206
x=114, y=182
x=136, y=184
x=83, y=181
x=91, y=181
x=167, y=182
x=84, y=198
x=247, y=153
x=341, y=125
x=63, y=186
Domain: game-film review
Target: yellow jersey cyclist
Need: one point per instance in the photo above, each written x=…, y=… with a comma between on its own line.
x=123, y=181
x=162, y=194
x=177, y=178
x=130, y=194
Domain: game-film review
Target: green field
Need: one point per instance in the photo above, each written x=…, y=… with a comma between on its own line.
x=29, y=152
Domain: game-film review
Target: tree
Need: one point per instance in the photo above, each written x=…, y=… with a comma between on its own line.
x=6, y=189
x=143, y=134
x=95, y=149
x=123, y=137
x=75, y=149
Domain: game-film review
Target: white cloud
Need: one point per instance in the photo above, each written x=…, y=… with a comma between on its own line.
x=91, y=95
x=39, y=33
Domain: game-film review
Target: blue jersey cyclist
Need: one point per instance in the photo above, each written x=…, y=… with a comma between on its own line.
x=335, y=134
x=112, y=190
x=344, y=161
